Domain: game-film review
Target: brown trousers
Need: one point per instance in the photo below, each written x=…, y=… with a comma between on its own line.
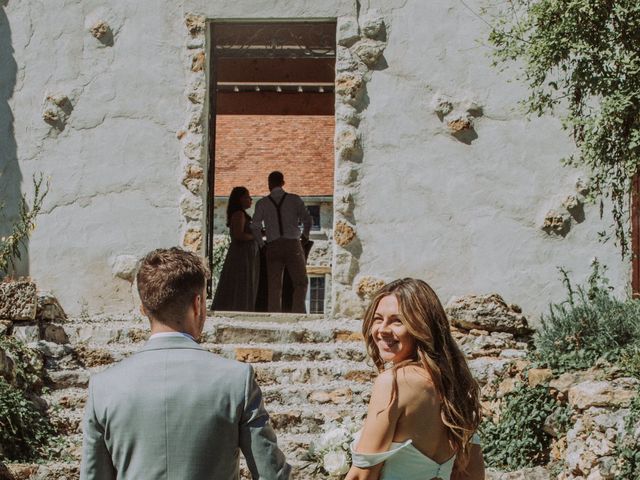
x=288, y=253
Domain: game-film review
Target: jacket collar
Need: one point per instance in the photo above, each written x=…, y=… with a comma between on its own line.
x=170, y=343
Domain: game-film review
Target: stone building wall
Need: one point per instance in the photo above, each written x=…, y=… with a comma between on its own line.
x=437, y=173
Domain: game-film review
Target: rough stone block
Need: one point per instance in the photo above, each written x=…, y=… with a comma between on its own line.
x=197, y=62
x=373, y=26
x=343, y=233
x=195, y=24
x=191, y=206
x=125, y=267
x=192, y=239
x=347, y=144
x=54, y=333
x=348, y=336
x=349, y=86
x=538, y=376
x=27, y=333
x=193, y=177
x=100, y=29
x=369, y=51
x=18, y=300
x=254, y=355
x=49, y=309
x=367, y=286
x=486, y=312
x=345, y=113
x=69, y=378
x=459, y=124
x=600, y=394
x=557, y=223
x=347, y=31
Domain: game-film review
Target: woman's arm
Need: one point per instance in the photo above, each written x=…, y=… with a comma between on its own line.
x=475, y=467
x=379, y=427
x=238, y=221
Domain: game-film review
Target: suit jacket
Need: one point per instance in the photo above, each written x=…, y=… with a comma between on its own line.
x=174, y=411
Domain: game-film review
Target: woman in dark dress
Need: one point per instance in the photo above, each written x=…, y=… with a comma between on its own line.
x=238, y=284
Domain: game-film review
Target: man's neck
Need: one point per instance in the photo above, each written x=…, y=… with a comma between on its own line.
x=157, y=327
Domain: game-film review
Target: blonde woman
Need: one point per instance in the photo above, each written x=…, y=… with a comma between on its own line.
x=424, y=408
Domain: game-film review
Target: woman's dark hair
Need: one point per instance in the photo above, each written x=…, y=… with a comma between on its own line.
x=234, y=202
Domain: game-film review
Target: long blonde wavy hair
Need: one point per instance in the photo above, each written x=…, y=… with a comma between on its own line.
x=437, y=352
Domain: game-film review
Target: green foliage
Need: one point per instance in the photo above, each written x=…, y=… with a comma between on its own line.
x=582, y=56
x=517, y=440
x=589, y=325
x=627, y=451
x=28, y=367
x=24, y=430
x=220, y=249
x=10, y=246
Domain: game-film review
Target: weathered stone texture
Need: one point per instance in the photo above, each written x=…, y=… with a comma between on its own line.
x=486, y=312
x=367, y=286
x=125, y=267
x=100, y=29
x=18, y=300
x=344, y=233
x=192, y=240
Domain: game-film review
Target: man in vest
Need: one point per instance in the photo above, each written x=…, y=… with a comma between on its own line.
x=282, y=213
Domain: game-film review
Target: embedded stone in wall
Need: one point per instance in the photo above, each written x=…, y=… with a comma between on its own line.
x=195, y=24
x=373, y=26
x=347, y=174
x=197, y=91
x=100, y=30
x=344, y=60
x=573, y=205
x=193, y=151
x=192, y=240
x=18, y=300
x=56, y=110
x=49, y=309
x=345, y=268
x=348, y=144
x=347, y=31
x=195, y=124
x=345, y=113
x=191, y=206
x=193, y=177
x=348, y=304
x=618, y=392
x=344, y=204
x=125, y=267
x=486, y=312
x=368, y=286
x=556, y=223
x=254, y=355
x=349, y=86
x=460, y=124
x=343, y=233
x=582, y=186
x=197, y=62
x=369, y=51
x=442, y=105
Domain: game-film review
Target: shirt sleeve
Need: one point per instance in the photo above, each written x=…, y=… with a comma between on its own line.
x=256, y=223
x=304, y=217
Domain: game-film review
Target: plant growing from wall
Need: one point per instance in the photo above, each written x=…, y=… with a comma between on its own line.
x=584, y=57
x=590, y=324
x=11, y=245
x=517, y=439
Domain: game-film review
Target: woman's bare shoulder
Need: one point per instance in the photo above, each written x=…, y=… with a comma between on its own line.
x=414, y=380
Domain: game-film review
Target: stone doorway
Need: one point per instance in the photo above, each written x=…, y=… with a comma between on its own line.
x=271, y=107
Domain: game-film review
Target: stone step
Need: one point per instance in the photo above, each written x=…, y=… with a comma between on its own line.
x=95, y=355
x=310, y=419
x=220, y=331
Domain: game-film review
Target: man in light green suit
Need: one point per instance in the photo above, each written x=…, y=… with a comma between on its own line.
x=174, y=411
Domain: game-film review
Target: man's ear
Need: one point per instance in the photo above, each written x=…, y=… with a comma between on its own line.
x=196, y=304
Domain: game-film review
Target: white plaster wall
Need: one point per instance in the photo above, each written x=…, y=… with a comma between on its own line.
x=114, y=168
x=466, y=218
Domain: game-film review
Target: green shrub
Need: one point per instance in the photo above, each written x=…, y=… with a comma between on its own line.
x=627, y=451
x=517, y=440
x=11, y=245
x=589, y=325
x=25, y=431
x=28, y=368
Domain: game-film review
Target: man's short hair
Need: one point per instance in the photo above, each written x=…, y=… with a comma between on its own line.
x=276, y=179
x=168, y=280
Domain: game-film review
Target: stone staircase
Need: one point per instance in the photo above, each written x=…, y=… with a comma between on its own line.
x=311, y=370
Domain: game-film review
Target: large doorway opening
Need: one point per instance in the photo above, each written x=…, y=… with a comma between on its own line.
x=271, y=108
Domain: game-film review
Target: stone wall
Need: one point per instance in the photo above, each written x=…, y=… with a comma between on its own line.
x=437, y=173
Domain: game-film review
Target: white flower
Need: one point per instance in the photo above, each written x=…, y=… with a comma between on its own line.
x=336, y=463
x=335, y=437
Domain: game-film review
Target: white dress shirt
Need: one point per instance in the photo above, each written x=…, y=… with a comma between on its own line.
x=293, y=214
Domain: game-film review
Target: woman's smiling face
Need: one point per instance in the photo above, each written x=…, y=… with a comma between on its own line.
x=395, y=343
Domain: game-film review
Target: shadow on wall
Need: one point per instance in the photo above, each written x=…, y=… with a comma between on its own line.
x=10, y=175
